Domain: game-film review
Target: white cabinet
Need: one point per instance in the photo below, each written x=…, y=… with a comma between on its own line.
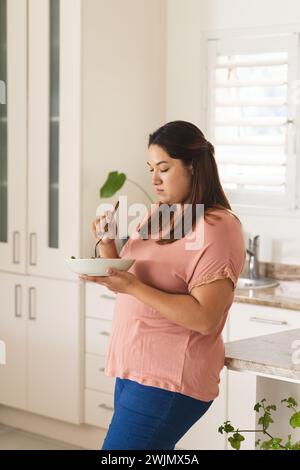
x=246, y=321
x=13, y=135
x=40, y=136
x=54, y=35
x=40, y=326
x=99, y=388
x=13, y=322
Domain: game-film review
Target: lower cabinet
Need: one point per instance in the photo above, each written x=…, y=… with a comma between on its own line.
x=246, y=321
x=99, y=408
x=40, y=325
x=99, y=388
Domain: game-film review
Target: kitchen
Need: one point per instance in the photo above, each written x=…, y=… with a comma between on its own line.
x=86, y=82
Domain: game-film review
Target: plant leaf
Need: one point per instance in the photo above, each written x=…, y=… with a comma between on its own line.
x=235, y=440
x=113, y=183
x=265, y=420
x=295, y=420
x=257, y=407
x=291, y=402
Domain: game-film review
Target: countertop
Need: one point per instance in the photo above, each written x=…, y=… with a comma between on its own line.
x=285, y=295
x=272, y=355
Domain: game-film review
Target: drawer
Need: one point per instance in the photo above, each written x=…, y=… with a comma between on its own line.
x=99, y=301
x=99, y=408
x=247, y=321
x=95, y=377
x=97, y=333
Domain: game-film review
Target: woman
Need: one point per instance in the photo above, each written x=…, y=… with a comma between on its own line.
x=166, y=349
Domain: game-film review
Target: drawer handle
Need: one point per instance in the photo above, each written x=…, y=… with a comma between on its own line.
x=102, y=369
x=104, y=333
x=106, y=296
x=105, y=407
x=269, y=321
x=16, y=247
x=18, y=304
x=32, y=303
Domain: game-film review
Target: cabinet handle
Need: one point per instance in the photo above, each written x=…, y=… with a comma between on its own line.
x=18, y=312
x=103, y=333
x=16, y=247
x=32, y=304
x=105, y=407
x=32, y=249
x=101, y=369
x=269, y=321
x=106, y=296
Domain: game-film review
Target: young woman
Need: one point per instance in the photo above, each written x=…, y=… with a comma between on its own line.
x=166, y=349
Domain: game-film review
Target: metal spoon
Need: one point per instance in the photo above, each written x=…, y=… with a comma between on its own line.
x=105, y=230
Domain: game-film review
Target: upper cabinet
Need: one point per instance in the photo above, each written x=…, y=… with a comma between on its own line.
x=39, y=135
x=13, y=135
x=53, y=134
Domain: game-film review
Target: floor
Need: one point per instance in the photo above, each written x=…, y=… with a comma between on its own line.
x=15, y=439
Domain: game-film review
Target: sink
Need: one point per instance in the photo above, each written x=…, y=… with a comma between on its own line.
x=261, y=283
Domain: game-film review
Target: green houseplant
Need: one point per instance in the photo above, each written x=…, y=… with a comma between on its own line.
x=116, y=181
x=271, y=443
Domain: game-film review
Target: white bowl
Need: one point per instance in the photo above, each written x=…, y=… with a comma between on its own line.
x=98, y=266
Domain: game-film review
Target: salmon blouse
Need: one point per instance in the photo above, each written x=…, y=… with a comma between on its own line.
x=146, y=347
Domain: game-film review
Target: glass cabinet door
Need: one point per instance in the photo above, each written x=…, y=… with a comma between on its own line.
x=53, y=222
x=3, y=122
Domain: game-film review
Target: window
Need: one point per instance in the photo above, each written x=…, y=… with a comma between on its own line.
x=252, y=118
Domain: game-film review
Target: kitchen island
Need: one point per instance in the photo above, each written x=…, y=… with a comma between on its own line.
x=276, y=355
x=268, y=366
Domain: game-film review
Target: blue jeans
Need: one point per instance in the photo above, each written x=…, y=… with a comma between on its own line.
x=147, y=417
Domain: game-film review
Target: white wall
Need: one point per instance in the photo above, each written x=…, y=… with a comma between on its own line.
x=123, y=53
x=188, y=22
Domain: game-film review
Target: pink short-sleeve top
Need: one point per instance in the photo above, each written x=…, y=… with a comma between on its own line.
x=148, y=348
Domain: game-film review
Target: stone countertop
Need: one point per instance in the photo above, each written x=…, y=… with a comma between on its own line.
x=285, y=295
x=275, y=355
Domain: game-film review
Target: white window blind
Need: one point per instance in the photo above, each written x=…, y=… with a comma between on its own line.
x=252, y=117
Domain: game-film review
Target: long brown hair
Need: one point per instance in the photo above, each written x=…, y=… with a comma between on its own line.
x=184, y=141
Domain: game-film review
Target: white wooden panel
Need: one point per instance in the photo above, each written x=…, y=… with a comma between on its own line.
x=97, y=336
x=54, y=349
x=99, y=408
x=99, y=301
x=95, y=377
x=13, y=332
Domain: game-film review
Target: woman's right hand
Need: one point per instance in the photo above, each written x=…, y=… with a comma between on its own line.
x=97, y=228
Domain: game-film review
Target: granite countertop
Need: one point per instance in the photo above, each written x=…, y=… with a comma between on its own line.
x=272, y=355
x=285, y=295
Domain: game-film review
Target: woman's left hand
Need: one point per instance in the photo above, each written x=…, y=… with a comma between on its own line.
x=117, y=281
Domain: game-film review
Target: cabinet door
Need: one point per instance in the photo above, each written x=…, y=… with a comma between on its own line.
x=54, y=349
x=13, y=125
x=54, y=136
x=204, y=434
x=13, y=334
x=246, y=321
